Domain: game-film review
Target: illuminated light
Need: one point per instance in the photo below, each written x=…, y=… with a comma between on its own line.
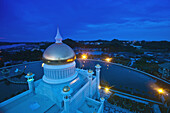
x=74, y=81
x=99, y=87
x=70, y=60
x=25, y=66
x=160, y=90
x=84, y=56
x=108, y=59
x=106, y=89
x=74, y=57
x=42, y=65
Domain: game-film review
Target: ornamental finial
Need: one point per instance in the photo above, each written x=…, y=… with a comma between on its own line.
x=58, y=37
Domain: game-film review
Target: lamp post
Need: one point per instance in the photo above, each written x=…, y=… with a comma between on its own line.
x=84, y=57
x=108, y=59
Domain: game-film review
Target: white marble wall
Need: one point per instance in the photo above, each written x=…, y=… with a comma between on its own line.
x=79, y=97
x=59, y=73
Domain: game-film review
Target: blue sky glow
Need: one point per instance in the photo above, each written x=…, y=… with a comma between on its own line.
x=37, y=20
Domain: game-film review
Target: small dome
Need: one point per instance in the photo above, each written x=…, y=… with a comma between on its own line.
x=58, y=53
x=29, y=74
x=90, y=71
x=66, y=89
x=97, y=65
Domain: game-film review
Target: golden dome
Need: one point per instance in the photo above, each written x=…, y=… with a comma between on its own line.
x=90, y=71
x=58, y=53
x=102, y=98
x=29, y=74
x=66, y=89
x=97, y=65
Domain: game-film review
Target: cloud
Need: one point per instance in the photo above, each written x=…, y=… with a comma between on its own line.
x=131, y=24
x=90, y=18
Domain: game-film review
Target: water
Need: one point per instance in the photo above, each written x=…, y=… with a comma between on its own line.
x=9, y=89
x=117, y=76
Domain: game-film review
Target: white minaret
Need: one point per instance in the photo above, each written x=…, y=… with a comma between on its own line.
x=98, y=79
x=30, y=81
x=90, y=75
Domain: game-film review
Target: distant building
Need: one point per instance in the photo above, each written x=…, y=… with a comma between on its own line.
x=164, y=69
x=138, y=47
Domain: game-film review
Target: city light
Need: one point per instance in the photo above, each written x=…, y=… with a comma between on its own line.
x=84, y=56
x=42, y=65
x=99, y=87
x=108, y=59
x=160, y=90
x=70, y=60
x=106, y=89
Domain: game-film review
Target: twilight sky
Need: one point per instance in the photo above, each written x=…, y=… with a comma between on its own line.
x=37, y=20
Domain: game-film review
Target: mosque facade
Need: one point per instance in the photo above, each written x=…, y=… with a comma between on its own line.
x=63, y=87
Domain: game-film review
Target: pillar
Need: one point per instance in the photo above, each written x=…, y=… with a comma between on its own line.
x=66, y=98
x=102, y=103
x=98, y=79
x=30, y=81
x=66, y=103
x=90, y=75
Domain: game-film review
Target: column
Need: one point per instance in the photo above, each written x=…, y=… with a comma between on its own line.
x=90, y=75
x=66, y=98
x=30, y=81
x=102, y=103
x=66, y=103
x=98, y=79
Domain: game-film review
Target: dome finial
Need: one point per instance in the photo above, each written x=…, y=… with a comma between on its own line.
x=58, y=37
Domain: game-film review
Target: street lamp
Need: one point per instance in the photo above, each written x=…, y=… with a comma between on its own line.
x=160, y=90
x=84, y=56
x=106, y=89
x=108, y=59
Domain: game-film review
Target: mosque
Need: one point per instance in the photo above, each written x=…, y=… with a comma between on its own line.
x=63, y=87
